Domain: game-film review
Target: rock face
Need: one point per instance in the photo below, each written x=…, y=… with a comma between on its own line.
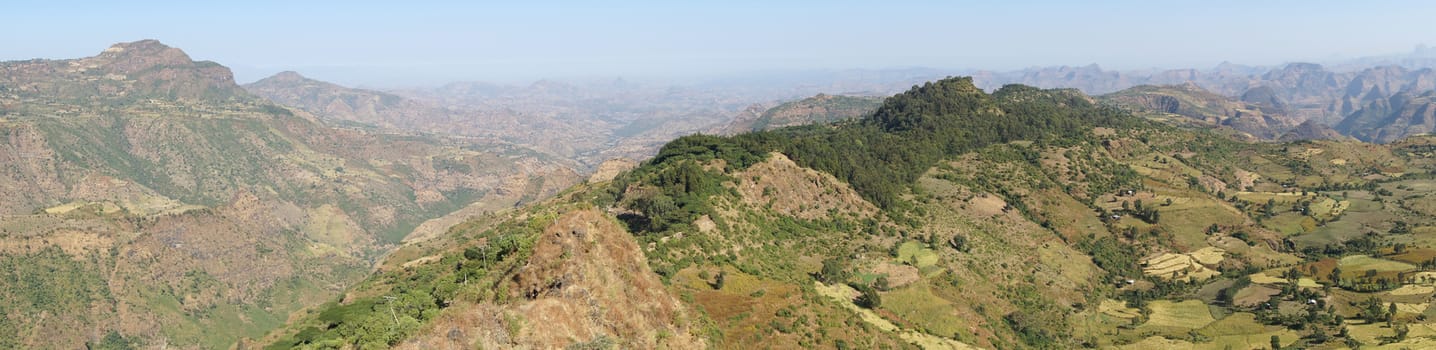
x=1265, y=97
x=356, y=105
x=1312, y=130
x=1391, y=119
x=586, y=282
x=609, y=169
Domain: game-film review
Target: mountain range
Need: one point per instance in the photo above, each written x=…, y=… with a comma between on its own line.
x=948, y=217
x=1265, y=103
x=155, y=203
x=148, y=195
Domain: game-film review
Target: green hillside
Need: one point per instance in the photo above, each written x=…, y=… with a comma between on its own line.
x=950, y=217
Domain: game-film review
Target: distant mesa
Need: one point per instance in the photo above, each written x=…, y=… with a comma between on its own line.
x=125, y=72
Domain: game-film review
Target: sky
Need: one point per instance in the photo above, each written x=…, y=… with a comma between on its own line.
x=411, y=43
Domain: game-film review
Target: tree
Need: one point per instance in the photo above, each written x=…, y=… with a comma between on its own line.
x=883, y=283
x=1224, y=297
x=1400, y=227
x=719, y=279
x=834, y=271
x=1275, y=342
x=958, y=242
x=1318, y=336
x=868, y=298
x=112, y=341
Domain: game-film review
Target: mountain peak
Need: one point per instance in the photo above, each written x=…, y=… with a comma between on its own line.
x=288, y=75
x=139, y=45
x=153, y=70
x=1302, y=67
x=1312, y=130
x=141, y=55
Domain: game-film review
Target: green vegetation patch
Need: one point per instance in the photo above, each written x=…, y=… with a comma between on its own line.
x=917, y=304
x=1358, y=263
x=917, y=254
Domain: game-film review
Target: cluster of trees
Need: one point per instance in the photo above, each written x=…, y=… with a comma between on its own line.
x=1316, y=311
x=1118, y=258
x=1371, y=281
x=1369, y=244
x=682, y=188
x=112, y=341
x=1146, y=213
x=1373, y=310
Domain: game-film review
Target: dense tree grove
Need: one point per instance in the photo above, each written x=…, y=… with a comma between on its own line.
x=881, y=155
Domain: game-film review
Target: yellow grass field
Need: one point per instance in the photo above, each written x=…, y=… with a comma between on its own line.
x=1187, y=315
x=1191, y=266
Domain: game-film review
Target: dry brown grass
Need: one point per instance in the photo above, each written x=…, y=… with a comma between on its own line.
x=796, y=191
x=586, y=279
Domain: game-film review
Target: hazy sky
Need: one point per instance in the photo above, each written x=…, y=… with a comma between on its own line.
x=416, y=42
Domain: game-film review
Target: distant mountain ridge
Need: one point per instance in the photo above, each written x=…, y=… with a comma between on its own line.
x=1390, y=119
x=1284, y=97
x=819, y=109
x=1205, y=108
x=588, y=124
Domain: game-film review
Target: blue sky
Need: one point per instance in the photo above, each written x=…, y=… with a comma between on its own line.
x=418, y=42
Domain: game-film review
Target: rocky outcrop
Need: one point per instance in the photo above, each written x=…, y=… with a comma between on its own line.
x=1391, y=119
x=1312, y=130
x=610, y=169
x=337, y=102
x=587, y=281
